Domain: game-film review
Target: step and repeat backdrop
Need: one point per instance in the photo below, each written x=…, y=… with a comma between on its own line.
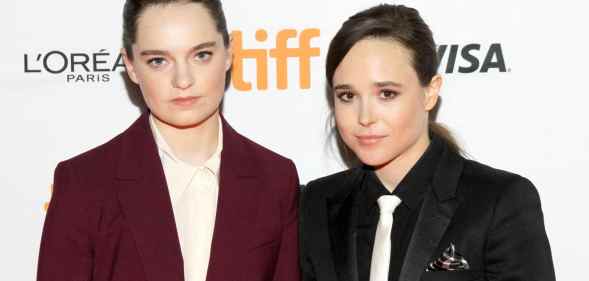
x=514, y=94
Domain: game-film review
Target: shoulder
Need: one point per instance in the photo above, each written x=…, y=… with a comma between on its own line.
x=512, y=209
x=266, y=158
x=80, y=183
x=275, y=173
x=98, y=159
x=87, y=174
x=332, y=184
x=496, y=183
x=335, y=179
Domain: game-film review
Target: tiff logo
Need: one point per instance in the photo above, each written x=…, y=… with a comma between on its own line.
x=281, y=54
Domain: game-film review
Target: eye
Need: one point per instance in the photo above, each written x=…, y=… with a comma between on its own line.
x=204, y=55
x=387, y=94
x=157, y=62
x=345, y=96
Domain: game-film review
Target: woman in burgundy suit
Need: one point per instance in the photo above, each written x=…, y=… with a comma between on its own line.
x=179, y=195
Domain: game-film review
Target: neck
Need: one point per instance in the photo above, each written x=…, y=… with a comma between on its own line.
x=194, y=144
x=391, y=173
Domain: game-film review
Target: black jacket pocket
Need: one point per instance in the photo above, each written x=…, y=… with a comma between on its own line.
x=462, y=275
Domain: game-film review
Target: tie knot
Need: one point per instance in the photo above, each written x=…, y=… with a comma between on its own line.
x=388, y=203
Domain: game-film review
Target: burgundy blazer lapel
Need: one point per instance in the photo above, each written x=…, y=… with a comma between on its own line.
x=146, y=204
x=237, y=204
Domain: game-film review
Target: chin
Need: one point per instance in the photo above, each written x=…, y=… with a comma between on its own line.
x=186, y=120
x=374, y=158
x=191, y=122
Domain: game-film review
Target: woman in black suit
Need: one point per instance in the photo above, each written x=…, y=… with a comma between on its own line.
x=411, y=208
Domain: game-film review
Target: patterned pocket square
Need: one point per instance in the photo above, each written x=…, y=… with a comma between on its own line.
x=449, y=261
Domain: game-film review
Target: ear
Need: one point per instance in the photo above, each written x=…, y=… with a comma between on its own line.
x=129, y=66
x=432, y=92
x=229, y=58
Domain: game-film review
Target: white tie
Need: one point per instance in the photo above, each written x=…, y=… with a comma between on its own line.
x=381, y=252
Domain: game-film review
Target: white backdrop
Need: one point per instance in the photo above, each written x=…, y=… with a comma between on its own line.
x=527, y=117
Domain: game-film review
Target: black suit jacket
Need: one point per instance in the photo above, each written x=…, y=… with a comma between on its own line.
x=493, y=218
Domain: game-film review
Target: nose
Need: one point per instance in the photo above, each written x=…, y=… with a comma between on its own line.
x=366, y=114
x=183, y=78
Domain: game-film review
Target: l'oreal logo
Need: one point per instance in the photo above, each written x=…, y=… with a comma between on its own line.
x=78, y=67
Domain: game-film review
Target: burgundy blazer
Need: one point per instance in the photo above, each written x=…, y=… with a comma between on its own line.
x=110, y=216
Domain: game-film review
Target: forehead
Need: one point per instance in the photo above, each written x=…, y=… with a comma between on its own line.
x=378, y=59
x=176, y=25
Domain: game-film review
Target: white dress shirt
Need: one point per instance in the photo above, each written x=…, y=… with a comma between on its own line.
x=194, y=192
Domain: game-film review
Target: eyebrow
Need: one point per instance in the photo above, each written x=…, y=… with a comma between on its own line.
x=201, y=46
x=387, y=83
x=377, y=84
x=342, y=87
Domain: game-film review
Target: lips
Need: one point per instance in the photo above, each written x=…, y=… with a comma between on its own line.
x=369, y=139
x=185, y=101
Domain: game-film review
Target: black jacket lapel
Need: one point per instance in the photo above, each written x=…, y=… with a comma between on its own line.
x=438, y=208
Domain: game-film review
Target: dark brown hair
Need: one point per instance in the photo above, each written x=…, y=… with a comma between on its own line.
x=133, y=9
x=403, y=25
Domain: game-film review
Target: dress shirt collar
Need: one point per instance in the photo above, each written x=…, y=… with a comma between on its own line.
x=414, y=185
x=213, y=163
